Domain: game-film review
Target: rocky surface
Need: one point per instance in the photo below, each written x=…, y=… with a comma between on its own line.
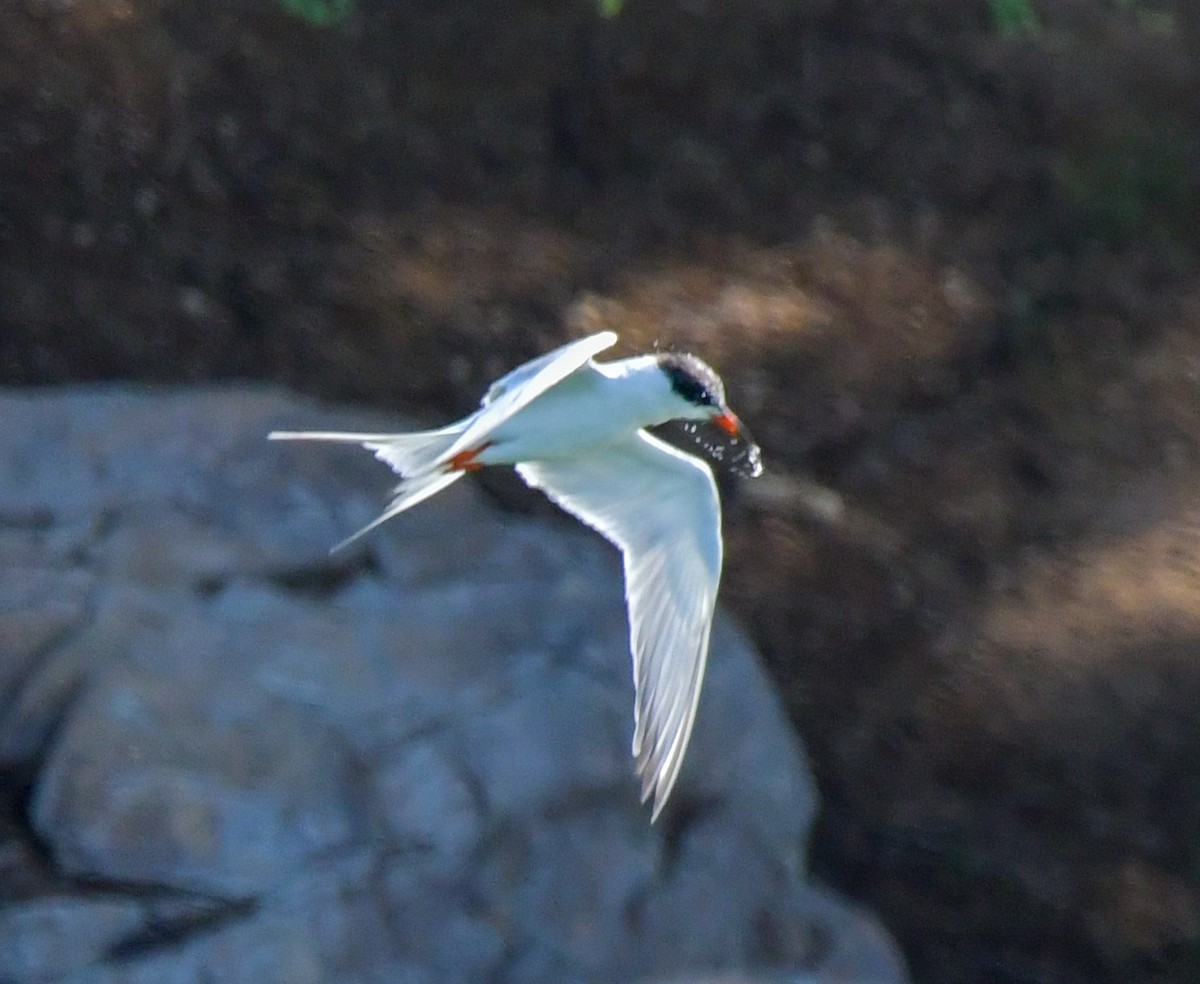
x=246, y=760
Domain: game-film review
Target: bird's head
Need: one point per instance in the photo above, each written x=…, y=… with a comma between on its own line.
x=700, y=396
x=698, y=390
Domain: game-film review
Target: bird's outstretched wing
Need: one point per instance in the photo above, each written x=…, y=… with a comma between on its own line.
x=526, y=383
x=660, y=507
x=563, y=360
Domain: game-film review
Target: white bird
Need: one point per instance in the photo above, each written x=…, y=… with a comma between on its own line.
x=576, y=429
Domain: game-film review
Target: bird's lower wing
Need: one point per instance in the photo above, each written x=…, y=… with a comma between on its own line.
x=660, y=507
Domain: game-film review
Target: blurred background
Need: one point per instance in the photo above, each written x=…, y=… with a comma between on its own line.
x=943, y=253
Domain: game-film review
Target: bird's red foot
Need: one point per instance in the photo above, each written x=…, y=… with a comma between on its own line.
x=465, y=460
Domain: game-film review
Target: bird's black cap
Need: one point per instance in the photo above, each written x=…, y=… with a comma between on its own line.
x=692, y=379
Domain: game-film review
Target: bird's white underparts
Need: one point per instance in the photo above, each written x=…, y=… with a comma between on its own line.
x=576, y=429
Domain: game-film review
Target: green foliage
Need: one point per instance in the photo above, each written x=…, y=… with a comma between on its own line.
x=1014, y=17
x=1137, y=181
x=1017, y=18
x=610, y=8
x=319, y=13
x=1160, y=22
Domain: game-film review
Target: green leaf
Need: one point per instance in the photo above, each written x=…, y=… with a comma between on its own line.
x=1014, y=17
x=319, y=13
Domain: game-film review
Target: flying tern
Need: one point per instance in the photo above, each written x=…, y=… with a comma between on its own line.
x=577, y=429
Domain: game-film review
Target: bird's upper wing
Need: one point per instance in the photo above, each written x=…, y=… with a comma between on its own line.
x=554, y=365
x=660, y=507
x=526, y=383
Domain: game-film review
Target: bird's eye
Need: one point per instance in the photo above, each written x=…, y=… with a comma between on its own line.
x=689, y=380
x=690, y=389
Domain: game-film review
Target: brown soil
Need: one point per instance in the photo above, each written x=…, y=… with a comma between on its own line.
x=948, y=275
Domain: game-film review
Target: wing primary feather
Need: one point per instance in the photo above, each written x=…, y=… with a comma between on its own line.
x=660, y=507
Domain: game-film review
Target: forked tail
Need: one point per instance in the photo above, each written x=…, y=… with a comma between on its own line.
x=417, y=458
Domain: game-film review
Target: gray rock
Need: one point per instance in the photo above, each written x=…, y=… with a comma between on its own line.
x=42, y=939
x=39, y=606
x=407, y=762
x=156, y=783
x=816, y=928
x=569, y=890
x=553, y=738
x=438, y=922
x=427, y=803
